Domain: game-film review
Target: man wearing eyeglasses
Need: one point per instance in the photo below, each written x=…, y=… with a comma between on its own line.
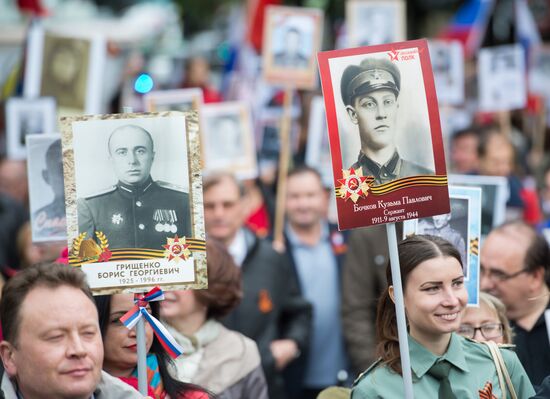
x=514, y=264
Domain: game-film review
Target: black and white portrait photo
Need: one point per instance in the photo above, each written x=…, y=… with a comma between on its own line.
x=292, y=38
x=132, y=182
x=228, y=140
x=501, y=79
x=448, y=67
x=73, y=72
x=46, y=189
x=371, y=22
x=27, y=116
x=381, y=105
x=451, y=226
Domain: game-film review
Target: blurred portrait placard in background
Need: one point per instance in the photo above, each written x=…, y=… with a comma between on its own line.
x=292, y=38
x=462, y=228
x=173, y=100
x=134, y=200
x=371, y=22
x=46, y=189
x=448, y=67
x=228, y=139
x=495, y=192
x=383, y=99
x=501, y=78
x=72, y=72
x=25, y=116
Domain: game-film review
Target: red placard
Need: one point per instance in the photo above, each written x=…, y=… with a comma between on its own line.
x=383, y=98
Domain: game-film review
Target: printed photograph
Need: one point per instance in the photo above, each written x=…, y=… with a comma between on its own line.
x=448, y=67
x=539, y=71
x=371, y=22
x=131, y=189
x=27, y=116
x=228, y=139
x=501, y=79
x=292, y=38
x=46, y=189
x=381, y=99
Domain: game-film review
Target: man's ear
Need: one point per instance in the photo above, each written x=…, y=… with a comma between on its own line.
x=352, y=113
x=391, y=293
x=7, y=352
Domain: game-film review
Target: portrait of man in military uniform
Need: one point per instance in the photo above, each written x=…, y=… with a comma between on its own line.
x=139, y=211
x=46, y=164
x=291, y=55
x=370, y=92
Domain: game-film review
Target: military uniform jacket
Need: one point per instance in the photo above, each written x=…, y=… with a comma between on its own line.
x=472, y=369
x=395, y=168
x=136, y=217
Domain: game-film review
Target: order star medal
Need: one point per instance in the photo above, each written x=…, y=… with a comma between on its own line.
x=176, y=248
x=354, y=185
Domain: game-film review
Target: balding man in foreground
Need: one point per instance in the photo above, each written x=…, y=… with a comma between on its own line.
x=137, y=212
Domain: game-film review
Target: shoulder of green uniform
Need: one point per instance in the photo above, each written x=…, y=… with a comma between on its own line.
x=170, y=186
x=107, y=190
x=367, y=371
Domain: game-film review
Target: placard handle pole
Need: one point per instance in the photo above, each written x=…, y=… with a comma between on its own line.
x=142, y=356
x=140, y=332
x=284, y=158
x=400, y=310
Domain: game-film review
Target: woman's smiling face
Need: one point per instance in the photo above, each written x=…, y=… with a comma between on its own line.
x=435, y=297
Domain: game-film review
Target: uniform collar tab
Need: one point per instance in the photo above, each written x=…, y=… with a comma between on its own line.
x=136, y=189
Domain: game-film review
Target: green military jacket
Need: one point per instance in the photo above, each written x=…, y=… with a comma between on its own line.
x=472, y=369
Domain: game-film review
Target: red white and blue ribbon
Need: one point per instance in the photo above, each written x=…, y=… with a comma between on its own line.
x=139, y=310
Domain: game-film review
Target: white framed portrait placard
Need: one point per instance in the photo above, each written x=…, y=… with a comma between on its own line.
x=133, y=191
x=372, y=22
x=46, y=188
x=25, y=116
x=292, y=38
x=228, y=139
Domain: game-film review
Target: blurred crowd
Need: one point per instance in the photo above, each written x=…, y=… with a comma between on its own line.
x=277, y=321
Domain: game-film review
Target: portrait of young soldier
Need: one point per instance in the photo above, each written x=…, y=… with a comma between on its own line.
x=137, y=212
x=370, y=92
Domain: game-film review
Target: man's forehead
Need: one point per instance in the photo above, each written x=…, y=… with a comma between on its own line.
x=130, y=137
x=50, y=303
x=382, y=93
x=503, y=245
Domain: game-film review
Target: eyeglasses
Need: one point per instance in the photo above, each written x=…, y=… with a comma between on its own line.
x=499, y=275
x=489, y=330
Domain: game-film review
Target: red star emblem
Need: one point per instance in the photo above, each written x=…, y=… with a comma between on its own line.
x=353, y=184
x=176, y=248
x=105, y=255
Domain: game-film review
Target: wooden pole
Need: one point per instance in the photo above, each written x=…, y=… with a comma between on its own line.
x=284, y=159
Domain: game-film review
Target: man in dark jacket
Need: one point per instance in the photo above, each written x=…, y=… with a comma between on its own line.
x=272, y=311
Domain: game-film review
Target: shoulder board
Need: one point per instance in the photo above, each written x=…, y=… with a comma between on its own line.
x=170, y=186
x=367, y=371
x=102, y=192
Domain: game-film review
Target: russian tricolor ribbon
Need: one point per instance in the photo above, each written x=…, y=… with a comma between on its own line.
x=139, y=310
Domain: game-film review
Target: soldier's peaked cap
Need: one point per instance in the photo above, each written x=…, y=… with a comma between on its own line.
x=370, y=75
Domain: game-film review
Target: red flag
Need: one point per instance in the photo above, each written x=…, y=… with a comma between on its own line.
x=256, y=12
